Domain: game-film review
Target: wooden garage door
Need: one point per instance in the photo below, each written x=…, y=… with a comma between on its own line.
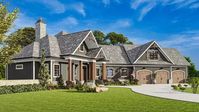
x=162, y=77
x=144, y=77
x=178, y=76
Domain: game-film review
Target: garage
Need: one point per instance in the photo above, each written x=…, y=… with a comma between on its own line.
x=162, y=76
x=144, y=76
x=178, y=76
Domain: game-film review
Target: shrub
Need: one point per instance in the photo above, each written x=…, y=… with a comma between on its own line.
x=60, y=82
x=70, y=84
x=125, y=83
x=174, y=87
x=20, y=88
x=194, y=84
x=182, y=88
x=134, y=82
x=99, y=82
x=185, y=85
x=89, y=89
x=179, y=85
x=79, y=87
x=52, y=86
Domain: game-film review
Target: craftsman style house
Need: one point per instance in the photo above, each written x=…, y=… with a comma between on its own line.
x=77, y=56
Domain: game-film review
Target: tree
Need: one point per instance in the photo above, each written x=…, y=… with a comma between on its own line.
x=6, y=21
x=22, y=37
x=116, y=38
x=100, y=36
x=43, y=71
x=192, y=72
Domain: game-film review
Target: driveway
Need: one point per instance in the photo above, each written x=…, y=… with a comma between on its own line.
x=165, y=91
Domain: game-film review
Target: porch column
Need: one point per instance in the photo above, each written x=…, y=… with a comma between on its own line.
x=80, y=71
x=33, y=69
x=104, y=77
x=69, y=70
x=171, y=76
x=92, y=67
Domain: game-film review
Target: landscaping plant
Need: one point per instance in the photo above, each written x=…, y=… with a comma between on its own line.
x=43, y=71
x=194, y=82
x=60, y=82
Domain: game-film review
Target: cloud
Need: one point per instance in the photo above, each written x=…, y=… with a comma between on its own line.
x=122, y=23
x=108, y=2
x=79, y=7
x=22, y=21
x=68, y=21
x=146, y=9
x=145, y=6
x=183, y=41
x=55, y=6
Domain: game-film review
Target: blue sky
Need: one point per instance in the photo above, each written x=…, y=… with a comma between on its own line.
x=172, y=23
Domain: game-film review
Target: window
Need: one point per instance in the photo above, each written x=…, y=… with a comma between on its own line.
x=98, y=72
x=19, y=66
x=153, y=54
x=110, y=72
x=82, y=47
x=56, y=71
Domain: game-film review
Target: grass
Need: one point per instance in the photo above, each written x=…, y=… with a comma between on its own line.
x=189, y=90
x=114, y=100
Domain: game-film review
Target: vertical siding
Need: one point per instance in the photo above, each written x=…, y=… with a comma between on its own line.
x=25, y=73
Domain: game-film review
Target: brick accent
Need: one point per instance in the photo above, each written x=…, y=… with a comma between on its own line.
x=104, y=71
x=92, y=70
x=69, y=70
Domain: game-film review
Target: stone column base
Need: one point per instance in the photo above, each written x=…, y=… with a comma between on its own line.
x=170, y=81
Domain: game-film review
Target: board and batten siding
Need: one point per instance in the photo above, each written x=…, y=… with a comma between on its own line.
x=25, y=73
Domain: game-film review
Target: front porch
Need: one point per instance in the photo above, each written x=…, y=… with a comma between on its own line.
x=82, y=70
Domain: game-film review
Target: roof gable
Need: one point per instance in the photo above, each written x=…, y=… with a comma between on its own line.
x=145, y=49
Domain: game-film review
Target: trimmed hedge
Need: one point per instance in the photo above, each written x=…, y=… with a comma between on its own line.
x=21, y=88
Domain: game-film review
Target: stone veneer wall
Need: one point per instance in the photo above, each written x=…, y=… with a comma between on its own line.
x=17, y=82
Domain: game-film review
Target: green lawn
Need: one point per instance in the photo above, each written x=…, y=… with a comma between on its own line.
x=189, y=90
x=115, y=100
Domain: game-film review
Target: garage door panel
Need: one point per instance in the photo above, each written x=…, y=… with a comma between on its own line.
x=144, y=77
x=178, y=76
x=162, y=77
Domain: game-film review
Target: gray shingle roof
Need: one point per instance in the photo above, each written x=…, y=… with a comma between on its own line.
x=134, y=53
x=93, y=52
x=69, y=42
x=65, y=44
x=48, y=43
x=54, y=47
x=176, y=57
x=115, y=54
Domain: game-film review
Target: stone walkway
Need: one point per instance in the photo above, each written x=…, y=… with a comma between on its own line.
x=164, y=91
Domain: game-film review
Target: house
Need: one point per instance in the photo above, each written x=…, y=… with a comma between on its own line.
x=77, y=56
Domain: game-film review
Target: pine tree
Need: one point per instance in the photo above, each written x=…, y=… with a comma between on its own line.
x=43, y=71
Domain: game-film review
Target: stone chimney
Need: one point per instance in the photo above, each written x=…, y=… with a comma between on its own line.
x=40, y=29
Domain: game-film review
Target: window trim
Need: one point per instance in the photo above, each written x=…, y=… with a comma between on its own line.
x=19, y=68
x=112, y=72
x=54, y=70
x=148, y=55
x=81, y=46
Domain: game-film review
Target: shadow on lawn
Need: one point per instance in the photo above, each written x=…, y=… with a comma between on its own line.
x=75, y=91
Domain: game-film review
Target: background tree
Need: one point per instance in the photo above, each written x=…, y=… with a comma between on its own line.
x=116, y=38
x=6, y=21
x=100, y=36
x=43, y=71
x=192, y=71
x=22, y=37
